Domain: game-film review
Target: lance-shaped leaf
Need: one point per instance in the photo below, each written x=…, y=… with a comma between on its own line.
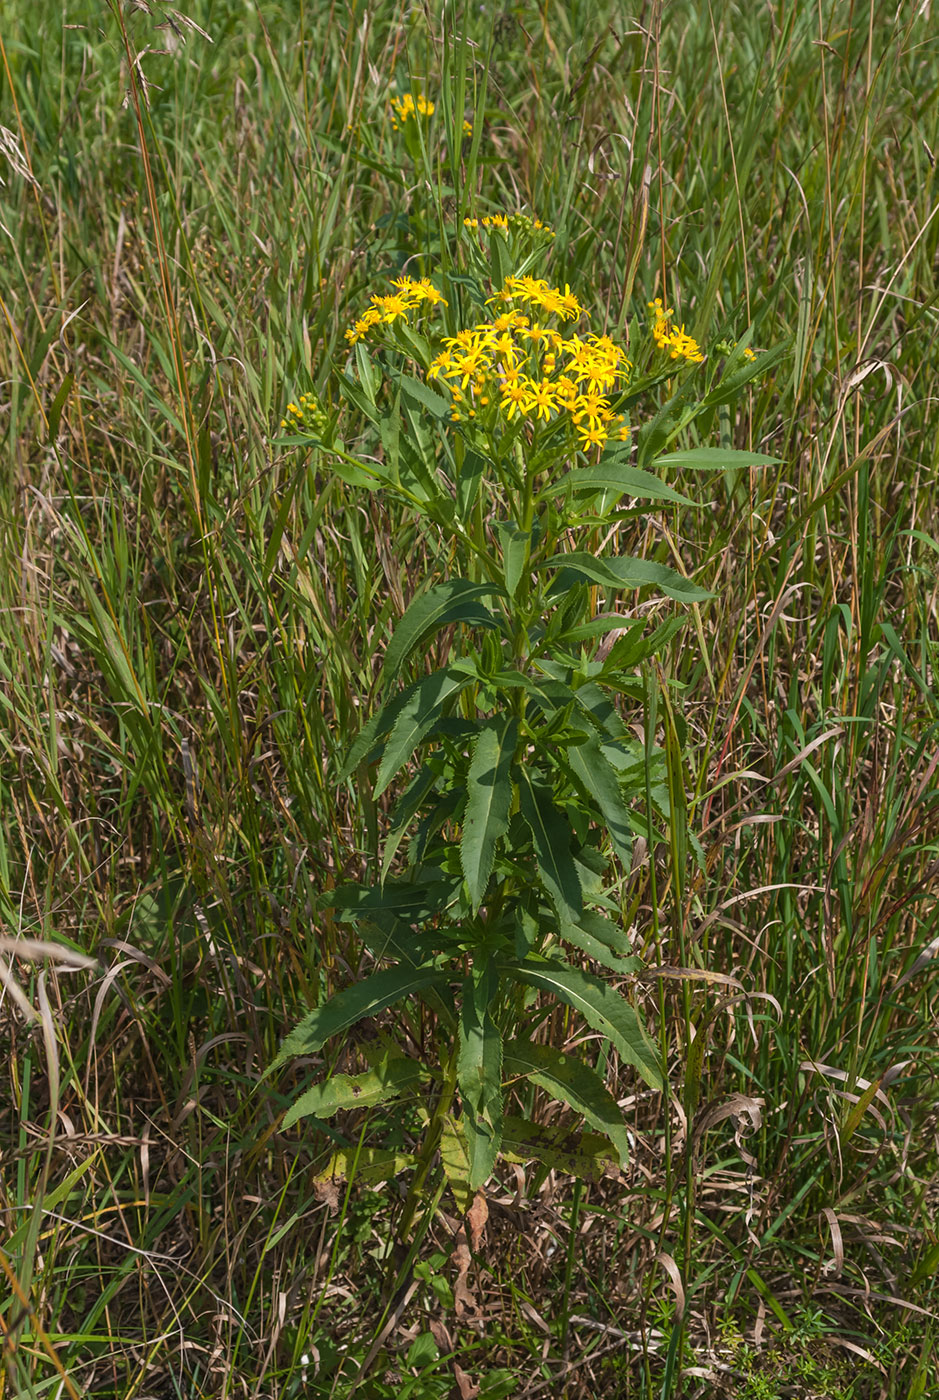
x=712, y=459
x=365, y=998
x=621, y=571
x=388, y=1080
x=479, y=1075
x=588, y=1155
x=569, y=1080
x=406, y=810
x=620, y=478
x=454, y=1158
x=601, y=782
x=423, y=709
x=424, y=396
x=488, y=801
x=516, y=545
x=375, y=726
x=370, y=1166
x=598, y=937
x=456, y=600
x=601, y=1006
x=551, y=837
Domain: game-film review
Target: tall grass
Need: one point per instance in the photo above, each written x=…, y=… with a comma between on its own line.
x=193, y=209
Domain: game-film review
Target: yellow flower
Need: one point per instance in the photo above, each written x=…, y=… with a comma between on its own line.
x=469, y=365
x=403, y=108
x=391, y=307
x=592, y=436
x=540, y=395
x=514, y=394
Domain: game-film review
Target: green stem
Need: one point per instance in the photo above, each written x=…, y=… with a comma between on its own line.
x=429, y=1147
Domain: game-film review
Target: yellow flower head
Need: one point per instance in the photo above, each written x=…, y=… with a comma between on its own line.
x=406, y=107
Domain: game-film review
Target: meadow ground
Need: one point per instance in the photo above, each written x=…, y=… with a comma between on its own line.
x=196, y=603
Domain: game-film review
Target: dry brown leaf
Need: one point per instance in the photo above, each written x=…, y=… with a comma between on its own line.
x=463, y=1298
x=465, y=1387
x=441, y=1335
x=476, y=1218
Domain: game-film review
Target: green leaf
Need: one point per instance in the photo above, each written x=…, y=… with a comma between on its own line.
x=488, y=801
x=58, y=403
x=619, y=477
x=601, y=1006
x=406, y=810
x=733, y=380
x=369, y=377
x=412, y=900
x=715, y=459
x=424, y=707
x=368, y=1165
x=516, y=545
x=586, y=1155
x=375, y=726
x=457, y=600
x=597, y=937
x=479, y=1075
x=596, y=703
x=365, y=998
x=388, y=1080
x=454, y=1158
x=468, y=482
x=551, y=836
x=423, y=396
x=600, y=780
x=621, y=572
x=569, y=1080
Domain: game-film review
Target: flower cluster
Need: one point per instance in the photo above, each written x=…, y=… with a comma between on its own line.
x=679, y=345
x=410, y=105
x=408, y=296
x=513, y=366
x=504, y=222
x=518, y=366
x=306, y=416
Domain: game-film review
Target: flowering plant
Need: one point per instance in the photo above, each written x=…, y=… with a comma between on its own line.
x=519, y=782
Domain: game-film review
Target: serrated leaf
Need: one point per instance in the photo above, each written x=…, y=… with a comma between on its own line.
x=598, y=704
x=368, y=1165
x=479, y=1075
x=620, y=571
x=406, y=810
x=454, y=1158
x=488, y=802
x=583, y=935
x=586, y=1155
x=375, y=726
x=712, y=459
x=365, y=998
x=388, y=1080
x=412, y=900
x=620, y=478
x=456, y=600
x=424, y=396
x=551, y=837
x=588, y=763
x=569, y=1080
x=424, y=706
x=601, y=1006
x=515, y=544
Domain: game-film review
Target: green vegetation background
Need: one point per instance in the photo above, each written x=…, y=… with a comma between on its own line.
x=194, y=206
